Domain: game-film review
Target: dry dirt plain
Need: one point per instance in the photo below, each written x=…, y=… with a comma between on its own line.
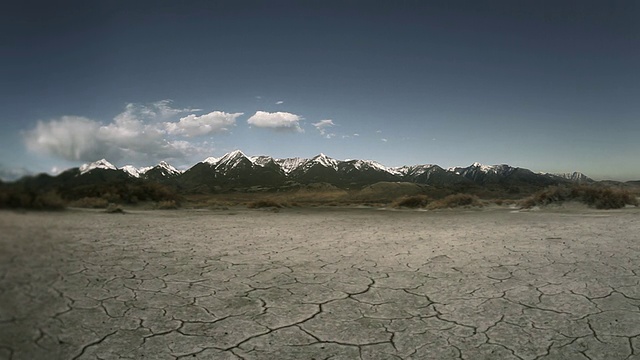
x=320, y=284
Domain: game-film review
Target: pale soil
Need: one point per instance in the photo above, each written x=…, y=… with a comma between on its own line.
x=320, y=283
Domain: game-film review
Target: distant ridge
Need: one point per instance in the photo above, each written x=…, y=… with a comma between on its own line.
x=237, y=170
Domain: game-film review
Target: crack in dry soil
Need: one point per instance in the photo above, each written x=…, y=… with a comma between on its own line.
x=305, y=284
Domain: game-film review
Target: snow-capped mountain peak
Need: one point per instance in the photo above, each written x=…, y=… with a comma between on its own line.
x=167, y=169
x=325, y=161
x=131, y=170
x=211, y=160
x=231, y=161
x=234, y=155
x=575, y=176
x=100, y=164
x=485, y=168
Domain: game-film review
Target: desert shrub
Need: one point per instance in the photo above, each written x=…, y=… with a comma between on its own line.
x=415, y=201
x=49, y=200
x=91, y=202
x=263, y=204
x=608, y=198
x=456, y=200
x=114, y=209
x=598, y=197
x=167, y=205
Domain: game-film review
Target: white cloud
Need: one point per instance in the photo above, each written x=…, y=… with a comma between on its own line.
x=194, y=125
x=322, y=126
x=69, y=137
x=279, y=102
x=356, y=134
x=164, y=109
x=153, y=112
x=384, y=140
x=379, y=131
x=136, y=134
x=278, y=121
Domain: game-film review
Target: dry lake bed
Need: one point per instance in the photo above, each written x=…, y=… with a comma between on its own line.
x=320, y=284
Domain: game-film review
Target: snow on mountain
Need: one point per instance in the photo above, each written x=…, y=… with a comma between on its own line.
x=399, y=170
x=166, y=169
x=143, y=170
x=211, y=160
x=289, y=164
x=477, y=167
x=323, y=160
x=368, y=164
x=163, y=167
x=131, y=170
x=231, y=161
x=100, y=164
x=261, y=160
x=575, y=176
x=232, y=157
x=414, y=170
x=235, y=167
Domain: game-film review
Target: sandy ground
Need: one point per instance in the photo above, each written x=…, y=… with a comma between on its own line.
x=320, y=284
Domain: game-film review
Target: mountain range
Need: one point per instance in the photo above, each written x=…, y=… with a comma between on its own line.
x=236, y=171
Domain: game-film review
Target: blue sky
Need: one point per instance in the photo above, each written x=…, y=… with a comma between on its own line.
x=546, y=85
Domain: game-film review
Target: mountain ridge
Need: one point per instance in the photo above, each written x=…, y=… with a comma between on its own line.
x=235, y=168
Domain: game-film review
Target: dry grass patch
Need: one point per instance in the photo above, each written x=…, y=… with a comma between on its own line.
x=456, y=200
x=167, y=205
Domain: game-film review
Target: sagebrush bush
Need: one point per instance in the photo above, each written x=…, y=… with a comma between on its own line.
x=456, y=200
x=415, y=201
x=91, y=202
x=167, y=205
x=598, y=197
x=114, y=209
x=263, y=204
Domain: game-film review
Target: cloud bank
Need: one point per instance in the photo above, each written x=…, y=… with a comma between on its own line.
x=140, y=132
x=282, y=121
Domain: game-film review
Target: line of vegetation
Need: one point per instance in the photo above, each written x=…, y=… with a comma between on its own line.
x=456, y=200
x=266, y=203
x=33, y=200
x=95, y=196
x=450, y=201
x=593, y=196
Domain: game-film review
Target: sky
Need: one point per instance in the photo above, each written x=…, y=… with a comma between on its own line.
x=552, y=86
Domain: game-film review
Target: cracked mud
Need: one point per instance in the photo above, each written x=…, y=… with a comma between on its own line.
x=320, y=284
